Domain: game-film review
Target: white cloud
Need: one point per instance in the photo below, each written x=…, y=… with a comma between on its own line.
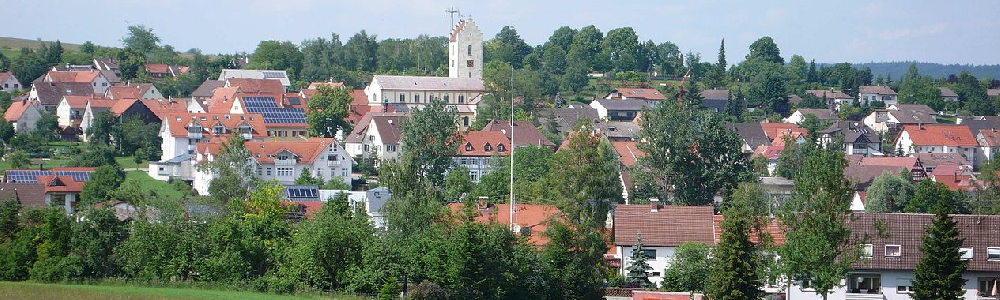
x=908, y=33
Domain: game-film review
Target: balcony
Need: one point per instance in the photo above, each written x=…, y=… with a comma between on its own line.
x=194, y=135
x=246, y=136
x=284, y=162
x=333, y=163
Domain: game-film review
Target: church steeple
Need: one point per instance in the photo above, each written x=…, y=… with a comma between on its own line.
x=465, y=51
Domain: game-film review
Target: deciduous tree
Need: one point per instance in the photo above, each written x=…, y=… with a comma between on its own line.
x=327, y=110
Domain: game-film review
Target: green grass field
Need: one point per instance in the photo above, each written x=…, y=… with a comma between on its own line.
x=11, y=47
x=39, y=291
x=149, y=184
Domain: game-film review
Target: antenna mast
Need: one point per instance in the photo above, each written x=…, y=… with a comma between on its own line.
x=512, y=202
x=452, y=11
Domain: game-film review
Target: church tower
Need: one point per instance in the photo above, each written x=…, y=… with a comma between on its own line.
x=465, y=51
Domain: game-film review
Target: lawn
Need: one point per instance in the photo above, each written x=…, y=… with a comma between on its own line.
x=147, y=183
x=39, y=291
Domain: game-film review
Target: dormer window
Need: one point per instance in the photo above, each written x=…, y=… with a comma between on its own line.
x=501, y=148
x=282, y=156
x=219, y=129
x=468, y=147
x=487, y=147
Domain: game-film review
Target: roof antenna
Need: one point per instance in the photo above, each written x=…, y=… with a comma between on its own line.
x=452, y=11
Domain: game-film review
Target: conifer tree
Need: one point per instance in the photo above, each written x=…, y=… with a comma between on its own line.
x=638, y=269
x=735, y=261
x=939, y=273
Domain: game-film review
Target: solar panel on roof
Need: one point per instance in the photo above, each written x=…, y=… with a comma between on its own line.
x=294, y=101
x=273, y=74
x=31, y=176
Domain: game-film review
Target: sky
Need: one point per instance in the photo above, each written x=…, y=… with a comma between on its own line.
x=964, y=32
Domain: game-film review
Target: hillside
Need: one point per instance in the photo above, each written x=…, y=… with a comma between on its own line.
x=936, y=70
x=9, y=46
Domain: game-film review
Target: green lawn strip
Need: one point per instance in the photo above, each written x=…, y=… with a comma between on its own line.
x=128, y=162
x=40, y=291
x=147, y=183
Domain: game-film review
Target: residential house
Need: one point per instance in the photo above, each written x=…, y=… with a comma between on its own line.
x=283, y=122
x=714, y=100
x=989, y=145
x=530, y=220
x=407, y=93
x=106, y=64
x=283, y=161
x=62, y=186
x=23, y=115
x=832, y=97
x=94, y=78
x=165, y=70
x=94, y=107
x=894, y=117
x=776, y=130
x=635, y=93
x=71, y=109
x=993, y=93
x=871, y=93
x=27, y=194
x=48, y=94
x=891, y=251
x=370, y=201
x=617, y=131
x=937, y=138
x=525, y=134
x=956, y=177
x=856, y=137
x=948, y=95
x=256, y=74
x=628, y=156
x=149, y=111
x=686, y=224
x=256, y=86
x=477, y=150
x=142, y=91
x=931, y=161
x=9, y=82
x=821, y=113
x=376, y=134
x=181, y=132
x=862, y=171
x=619, y=110
x=206, y=90
x=752, y=135
x=562, y=120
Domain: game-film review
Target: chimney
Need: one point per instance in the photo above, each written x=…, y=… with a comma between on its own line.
x=654, y=205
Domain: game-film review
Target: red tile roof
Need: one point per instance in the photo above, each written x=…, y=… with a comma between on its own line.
x=101, y=103
x=941, y=135
x=669, y=226
x=222, y=100
x=128, y=91
x=976, y=231
x=533, y=216
x=876, y=89
x=158, y=68
x=525, y=134
x=648, y=94
x=249, y=85
x=772, y=130
x=17, y=109
x=474, y=143
x=72, y=76
x=61, y=184
x=628, y=152
x=179, y=122
x=162, y=107
x=773, y=229
x=79, y=102
x=122, y=105
x=991, y=138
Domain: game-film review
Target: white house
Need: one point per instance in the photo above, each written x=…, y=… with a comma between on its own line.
x=256, y=74
x=371, y=201
x=989, y=144
x=95, y=78
x=23, y=115
x=938, y=138
x=477, y=150
x=823, y=114
x=465, y=51
x=377, y=133
x=869, y=93
x=283, y=161
x=895, y=116
x=181, y=132
x=832, y=96
x=71, y=110
x=948, y=95
x=141, y=91
x=890, y=254
x=663, y=228
x=9, y=82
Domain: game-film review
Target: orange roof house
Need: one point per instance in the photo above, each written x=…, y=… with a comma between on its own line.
x=530, y=219
x=483, y=143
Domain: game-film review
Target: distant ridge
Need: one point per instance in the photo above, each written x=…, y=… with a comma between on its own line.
x=936, y=70
x=12, y=43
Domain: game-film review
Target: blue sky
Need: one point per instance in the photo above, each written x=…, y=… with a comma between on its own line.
x=827, y=31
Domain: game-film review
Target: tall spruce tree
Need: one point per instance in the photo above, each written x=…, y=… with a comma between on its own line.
x=638, y=269
x=735, y=261
x=939, y=273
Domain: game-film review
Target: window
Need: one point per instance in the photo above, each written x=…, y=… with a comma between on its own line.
x=463, y=161
x=468, y=50
x=649, y=253
x=487, y=147
x=445, y=98
x=501, y=148
x=470, y=63
x=867, y=250
x=966, y=253
x=283, y=157
x=864, y=283
x=416, y=98
x=474, y=176
x=268, y=171
x=893, y=250
x=468, y=147
x=332, y=157
x=284, y=172
x=987, y=285
x=371, y=138
x=104, y=84
x=465, y=121
x=993, y=253
x=402, y=98
x=904, y=285
x=461, y=98
x=390, y=148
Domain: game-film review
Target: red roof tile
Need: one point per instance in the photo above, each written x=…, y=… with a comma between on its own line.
x=772, y=130
x=17, y=109
x=941, y=135
x=628, y=152
x=633, y=93
x=249, y=85
x=533, y=216
x=475, y=143
x=668, y=226
x=179, y=122
x=72, y=76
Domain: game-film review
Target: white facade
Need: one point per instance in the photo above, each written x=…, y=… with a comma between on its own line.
x=32, y=113
x=888, y=99
x=373, y=142
x=659, y=260
x=67, y=113
x=371, y=201
x=286, y=166
x=465, y=51
x=905, y=143
x=883, y=284
x=478, y=166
